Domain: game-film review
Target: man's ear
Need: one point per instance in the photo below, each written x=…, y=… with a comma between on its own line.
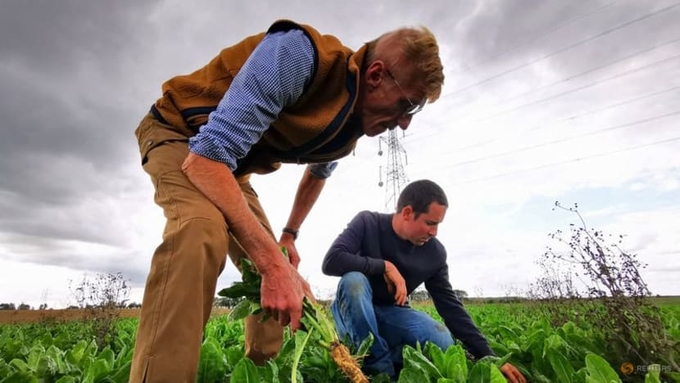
x=374, y=73
x=407, y=213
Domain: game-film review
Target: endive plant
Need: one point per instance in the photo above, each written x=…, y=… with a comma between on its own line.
x=314, y=319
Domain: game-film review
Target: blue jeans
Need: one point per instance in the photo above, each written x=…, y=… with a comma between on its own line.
x=392, y=326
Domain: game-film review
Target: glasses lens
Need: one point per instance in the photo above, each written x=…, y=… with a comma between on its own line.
x=415, y=108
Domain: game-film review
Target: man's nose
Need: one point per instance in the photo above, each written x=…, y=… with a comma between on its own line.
x=404, y=121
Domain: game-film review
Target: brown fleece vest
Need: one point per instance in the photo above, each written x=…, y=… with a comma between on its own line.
x=314, y=129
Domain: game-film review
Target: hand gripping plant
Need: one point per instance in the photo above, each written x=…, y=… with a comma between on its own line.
x=314, y=319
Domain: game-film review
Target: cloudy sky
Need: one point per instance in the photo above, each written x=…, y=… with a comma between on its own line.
x=544, y=101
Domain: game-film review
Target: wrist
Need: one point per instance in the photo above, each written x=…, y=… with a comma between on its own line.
x=291, y=232
x=273, y=265
x=386, y=266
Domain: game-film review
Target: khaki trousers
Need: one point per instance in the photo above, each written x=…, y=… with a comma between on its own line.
x=181, y=284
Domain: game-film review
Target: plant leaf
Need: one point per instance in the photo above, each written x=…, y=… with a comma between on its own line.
x=412, y=375
x=416, y=360
x=496, y=376
x=240, y=311
x=564, y=371
x=599, y=369
x=245, y=372
x=653, y=374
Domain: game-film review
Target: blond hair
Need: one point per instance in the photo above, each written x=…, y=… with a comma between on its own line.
x=416, y=46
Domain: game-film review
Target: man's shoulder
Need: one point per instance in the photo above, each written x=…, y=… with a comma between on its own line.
x=369, y=220
x=370, y=216
x=285, y=25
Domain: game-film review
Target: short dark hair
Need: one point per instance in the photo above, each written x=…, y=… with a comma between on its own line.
x=419, y=195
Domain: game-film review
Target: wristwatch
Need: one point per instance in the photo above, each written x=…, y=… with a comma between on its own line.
x=292, y=232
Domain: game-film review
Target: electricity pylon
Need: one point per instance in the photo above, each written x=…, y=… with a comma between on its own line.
x=393, y=174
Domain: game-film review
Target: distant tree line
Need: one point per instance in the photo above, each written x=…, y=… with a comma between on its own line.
x=20, y=306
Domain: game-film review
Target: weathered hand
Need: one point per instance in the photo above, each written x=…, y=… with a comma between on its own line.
x=512, y=374
x=288, y=242
x=395, y=283
x=282, y=292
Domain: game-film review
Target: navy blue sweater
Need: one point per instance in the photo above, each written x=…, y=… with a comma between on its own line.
x=369, y=239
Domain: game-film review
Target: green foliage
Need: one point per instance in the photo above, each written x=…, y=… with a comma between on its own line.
x=67, y=353
x=598, y=370
x=249, y=286
x=212, y=366
x=315, y=320
x=245, y=371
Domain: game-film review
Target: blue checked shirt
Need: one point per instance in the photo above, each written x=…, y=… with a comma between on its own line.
x=272, y=78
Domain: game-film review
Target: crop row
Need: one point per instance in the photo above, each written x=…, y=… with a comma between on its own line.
x=67, y=352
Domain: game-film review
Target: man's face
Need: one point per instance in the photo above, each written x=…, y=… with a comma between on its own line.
x=420, y=230
x=388, y=102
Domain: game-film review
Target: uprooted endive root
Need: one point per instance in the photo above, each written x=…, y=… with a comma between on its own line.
x=348, y=365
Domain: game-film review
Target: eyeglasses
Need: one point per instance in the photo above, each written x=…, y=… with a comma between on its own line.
x=412, y=108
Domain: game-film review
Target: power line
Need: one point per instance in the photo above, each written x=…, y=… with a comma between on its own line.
x=568, y=161
x=561, y=50
x=577, y=89
x=570, y=91
x=590, y=70
x=576, y=116
x=561, y=140
x=539, y=37
x=557, y=121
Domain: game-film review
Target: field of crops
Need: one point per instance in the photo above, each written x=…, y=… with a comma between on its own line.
x=67, y=352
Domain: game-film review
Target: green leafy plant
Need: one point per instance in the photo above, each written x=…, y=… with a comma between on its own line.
x=66, y=352
x=314, y=319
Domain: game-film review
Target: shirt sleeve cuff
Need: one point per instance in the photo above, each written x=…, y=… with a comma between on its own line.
x=376, y=266
x=205, y=147
x=323, y=170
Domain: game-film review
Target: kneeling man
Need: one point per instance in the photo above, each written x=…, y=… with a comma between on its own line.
x=381, y=258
